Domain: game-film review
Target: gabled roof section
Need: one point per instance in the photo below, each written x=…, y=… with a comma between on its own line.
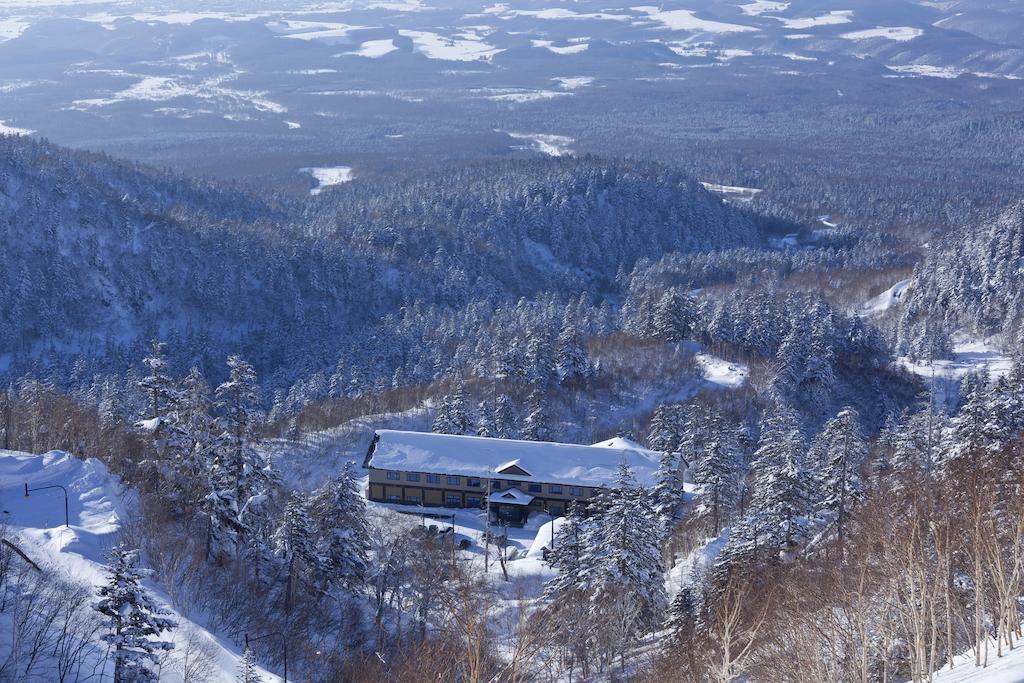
x=512, y=496
x=539, y=461
x=512, y=467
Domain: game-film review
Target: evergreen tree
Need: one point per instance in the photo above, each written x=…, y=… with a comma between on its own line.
x=339, y=511
x=571, y=356
x=673, y=316
x=668, y=492
x=157, y=384
x=667, y=428
x=627, y=573
x=294, y=543
x=845, y=449
x=247, y=672
x=567, y=556
x=485, y=420
x=536, y=426
x=131, y=619
x=540, y=361
x=237, y=399
x=504, y=418
x=782, y=485
x=717, y=475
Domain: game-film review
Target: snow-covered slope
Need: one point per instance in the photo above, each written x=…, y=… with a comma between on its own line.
x=96, y=510
x=1006, y=669
x=887, y=299
x=969, y=356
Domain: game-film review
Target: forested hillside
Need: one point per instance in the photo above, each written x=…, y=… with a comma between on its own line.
x=105, y=256
x=973, y=281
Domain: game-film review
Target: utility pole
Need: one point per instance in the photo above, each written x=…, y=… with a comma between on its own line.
x=487, y=527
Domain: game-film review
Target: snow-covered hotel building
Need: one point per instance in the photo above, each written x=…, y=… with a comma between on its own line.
x=443, y=470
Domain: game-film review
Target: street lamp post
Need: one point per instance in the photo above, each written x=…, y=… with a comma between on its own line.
x=284, y=641
x=67, y=517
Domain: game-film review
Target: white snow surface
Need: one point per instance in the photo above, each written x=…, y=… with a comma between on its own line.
x=733, y=191
x=842, y=16
x=969, y=355
x=887, y=299
x=686, y=20
x=573, y=48
x=899, y=34
x=759, y=7
x=13, y=130
x=551, y=145
x=465, y=49
x=722, y=372
x=96, y=510
x=476, y=456
x=328, y=176
x=375, y=48
x=1006, y=669
x=544, y=536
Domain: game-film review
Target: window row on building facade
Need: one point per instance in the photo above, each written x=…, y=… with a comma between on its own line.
x=476, y=482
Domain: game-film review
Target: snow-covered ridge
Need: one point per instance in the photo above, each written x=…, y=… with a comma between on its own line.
x=96, y=508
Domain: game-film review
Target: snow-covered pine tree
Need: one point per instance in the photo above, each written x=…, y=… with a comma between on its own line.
x=667, y=428
x=294, y=544
x=782, y=485
x=673, y=316
x=339, y=510
x=240, y=477
x=792, y=358
x=504, y=418
x=627, y=575
x=540, y=360
x=668, y=492
x=247, y=672
x=717, y=474
x=537, y=426
x=571, y=356
x=443, y=422
x=567, y=555
x=485, y=425
x=157, y=384
x=844, y=448
x=196, y=437
x=131, y=619
x=452, y=415
x=237, y=400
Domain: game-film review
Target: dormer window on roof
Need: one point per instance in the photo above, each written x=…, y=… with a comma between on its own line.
x=514, y=469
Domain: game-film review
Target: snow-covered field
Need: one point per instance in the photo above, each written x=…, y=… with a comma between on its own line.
x=843, y=16
x=375, y=48
x=900, y=34
x=13, y=130
x=744, y=194
x=551, y=145
x=571, y=49
x=328, y=176
x=759, y=7
x=96, y=509
x=721, y=372
x=464, y=49
x=969, y=355
x=686, y=20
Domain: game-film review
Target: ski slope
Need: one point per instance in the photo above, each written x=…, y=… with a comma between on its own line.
x=96, y=509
